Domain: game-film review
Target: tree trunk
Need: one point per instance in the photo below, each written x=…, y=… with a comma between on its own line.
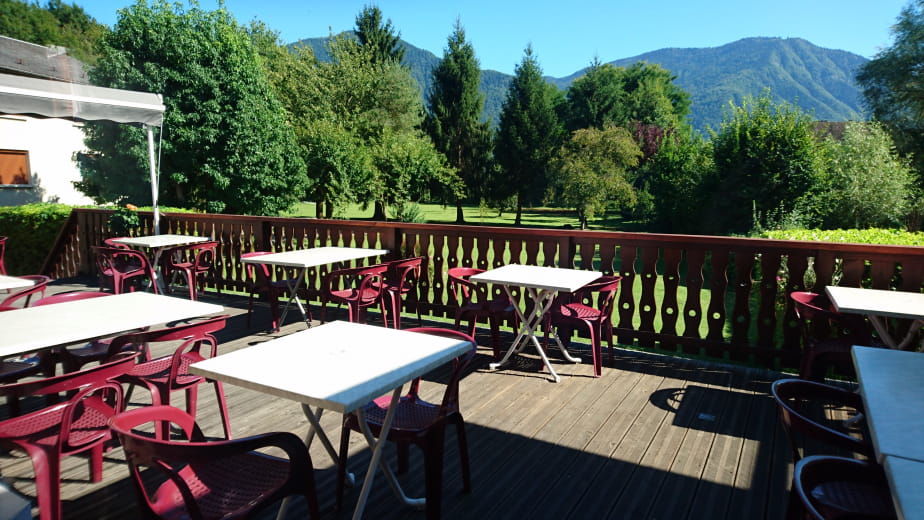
x=516, y=221
x=460, y=216
x=379, y=213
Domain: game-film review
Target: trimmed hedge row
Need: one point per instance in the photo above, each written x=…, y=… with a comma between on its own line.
x=31, y=230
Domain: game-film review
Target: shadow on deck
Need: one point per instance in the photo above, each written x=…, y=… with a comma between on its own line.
x=655, y=437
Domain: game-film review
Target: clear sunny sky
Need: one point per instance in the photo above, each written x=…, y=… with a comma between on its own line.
x=567, y=35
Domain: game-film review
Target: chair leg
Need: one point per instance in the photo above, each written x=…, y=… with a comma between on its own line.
x=341, y=466
x=96, y=463
x=463, y=454
x=47, y=470
x=596, y=347
x=223, y=408
x=433, y=471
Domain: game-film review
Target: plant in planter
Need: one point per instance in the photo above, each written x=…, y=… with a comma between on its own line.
x=124, y=220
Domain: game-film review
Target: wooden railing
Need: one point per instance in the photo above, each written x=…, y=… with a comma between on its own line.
x=718, y=297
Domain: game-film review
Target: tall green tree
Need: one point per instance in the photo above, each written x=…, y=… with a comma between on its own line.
x=867, y=184
x=528, y=136
x=454, y=118
x=639, y=94
x=892, y=87
x=226, y=146
x=55, y=23
x=767, y=159
x=379, y=35
x=592, y=171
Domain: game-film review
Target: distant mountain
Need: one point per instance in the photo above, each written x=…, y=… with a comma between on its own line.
x=819, y=80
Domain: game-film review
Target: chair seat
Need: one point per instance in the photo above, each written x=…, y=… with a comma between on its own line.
x=225, y=487
x=12, y=370
x=858, y=499
x=347, y=295
x=578, y=311
x=411, y=415
x=39, y=428
x=158, y=370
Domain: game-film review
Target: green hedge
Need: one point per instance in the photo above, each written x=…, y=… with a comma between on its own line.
x=32, y=230
x=894, y=237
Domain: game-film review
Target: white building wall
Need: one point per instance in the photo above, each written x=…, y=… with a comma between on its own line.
x=52, y=144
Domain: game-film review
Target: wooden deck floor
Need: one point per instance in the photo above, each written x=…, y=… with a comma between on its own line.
x=655, y=437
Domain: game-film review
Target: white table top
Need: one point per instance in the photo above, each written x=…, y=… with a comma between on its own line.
x=892, y=386
x=906, y=480
x=156, y=241
x=14, y=282
x=314, y=256
x=538, y=277
x=892, y=304
x=338, y=366
x=46, y=326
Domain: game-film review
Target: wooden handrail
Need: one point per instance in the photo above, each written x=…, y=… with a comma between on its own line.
x=720, y=297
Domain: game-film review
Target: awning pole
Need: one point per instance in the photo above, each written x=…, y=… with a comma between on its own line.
x=153, y=168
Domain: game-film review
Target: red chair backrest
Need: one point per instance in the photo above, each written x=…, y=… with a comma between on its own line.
x=71, y=296
x=451, y=395
x=399, y=270
x=819, y=320
x=261, y=273
x=111, y=242
x=193, y=334
x=114, y=367
x=464, y=290
x=119, y=259
x=36, y=291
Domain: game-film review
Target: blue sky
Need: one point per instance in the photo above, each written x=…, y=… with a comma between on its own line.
x=566, y=36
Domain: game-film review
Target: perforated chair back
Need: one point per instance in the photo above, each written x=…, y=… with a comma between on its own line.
x=795, y=399
x=120, y=267
x=26, y=296
x=200, y=479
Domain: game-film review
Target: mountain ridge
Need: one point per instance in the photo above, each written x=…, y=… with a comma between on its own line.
x=817, y=79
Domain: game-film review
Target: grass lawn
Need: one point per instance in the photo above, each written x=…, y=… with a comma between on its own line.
x=555, y=218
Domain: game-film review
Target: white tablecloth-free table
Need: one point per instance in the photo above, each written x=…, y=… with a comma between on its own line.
x=302, y=259
x=892, y=388
x=157, y=244
x=877, y=305
x=37, y=328
x=542, y=284
x=14, y=282
x=337, y=366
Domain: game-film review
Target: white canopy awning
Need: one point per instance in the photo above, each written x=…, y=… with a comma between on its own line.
x=29, y=96
x=22, y=95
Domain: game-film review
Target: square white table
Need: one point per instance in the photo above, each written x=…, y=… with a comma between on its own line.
x=14, y=282
x=157, y=244
x=542, y=284
x=37, y=328
x=337, y=366
x=892, y=388
x=878, y=305
x=302, y=259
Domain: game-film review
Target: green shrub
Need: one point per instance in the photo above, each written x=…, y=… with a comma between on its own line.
x=32, y=230
x=895, y=237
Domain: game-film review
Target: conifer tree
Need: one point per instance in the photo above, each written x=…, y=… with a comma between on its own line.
x=380, y=37
x=454, y=117
x=529, y=135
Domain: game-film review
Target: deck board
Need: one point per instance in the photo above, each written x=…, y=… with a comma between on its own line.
x=654, y=437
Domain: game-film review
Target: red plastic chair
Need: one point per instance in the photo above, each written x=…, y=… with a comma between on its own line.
x=216, y=479
x=123, y=269
x=362, y=288
x=473, y=304
x=827, y=335
x=12, y=370
x=576, y=310
x=421, y=423
x=80, y=424
x=828, y=488
x=168, y=374
x=74, y=358
x=260, y=281
x=2, y=254
x=796, y=397
x=401, y=279
x=23, y=297
x=192, y=262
